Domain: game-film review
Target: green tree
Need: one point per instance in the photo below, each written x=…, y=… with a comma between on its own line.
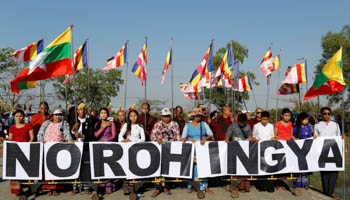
x=103, y=86
x=9, y=70
x=218, y=97
x=156, y=104
x=330, y=43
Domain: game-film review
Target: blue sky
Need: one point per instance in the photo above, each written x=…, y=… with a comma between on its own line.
x=294, y=26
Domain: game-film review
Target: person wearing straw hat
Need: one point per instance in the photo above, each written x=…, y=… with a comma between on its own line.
x=197, y=130
x=164, y=131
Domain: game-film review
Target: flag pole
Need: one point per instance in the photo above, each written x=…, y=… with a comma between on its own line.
x=268, y=93
x=88, y=75
x=146, y=90
x=172, y=76
x=343, y=129
x=210, y=78
x=126, y=74
x=75, y=82
x=278, y=82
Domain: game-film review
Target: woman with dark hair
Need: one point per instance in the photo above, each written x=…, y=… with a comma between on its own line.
x=19, y=132
x=302, y=130
x=132, y=129
x=105, y=131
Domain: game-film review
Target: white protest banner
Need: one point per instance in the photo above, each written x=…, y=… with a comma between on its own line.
x=125, y=160
x=22, y=160
x=177, y=159
x=62, y=160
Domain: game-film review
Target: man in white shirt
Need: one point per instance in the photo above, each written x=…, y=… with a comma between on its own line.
x=328, y=128
x=264, y=130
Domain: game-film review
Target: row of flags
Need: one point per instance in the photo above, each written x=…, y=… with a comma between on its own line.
x=55, y=60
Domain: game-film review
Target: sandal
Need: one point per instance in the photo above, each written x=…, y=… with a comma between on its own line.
x=189, y=190
x=334, y=196
x=74, y=192
x=50, y=193
x=155, y=193
x=167, y=191
x=88, y=192
x=209, y=191
x=55, y=193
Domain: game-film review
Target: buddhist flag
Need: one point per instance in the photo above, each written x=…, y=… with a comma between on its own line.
x=118, y=59
x=330, y=80
x=28, y=53
x=224, y=68
x=205, y=67
x=296, y=74
x=55, y=60
x=276, y=63
x=167, y=62
x=139, y=68
x=244, y=84
x=286, y=89
x=80, y=57
x=266, y=64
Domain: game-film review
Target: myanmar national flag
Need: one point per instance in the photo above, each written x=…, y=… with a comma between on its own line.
x=55, y=60
x=330, y=80
x=109, y=107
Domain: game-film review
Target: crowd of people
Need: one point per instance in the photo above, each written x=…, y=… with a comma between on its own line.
x=84, y=126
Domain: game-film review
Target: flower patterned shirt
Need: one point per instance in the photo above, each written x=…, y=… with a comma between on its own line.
x=166, y=133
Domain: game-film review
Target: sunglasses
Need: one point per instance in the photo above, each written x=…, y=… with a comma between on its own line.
x=326, y=113
x=258, y=112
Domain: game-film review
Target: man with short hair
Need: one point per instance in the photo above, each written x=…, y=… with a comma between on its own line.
x=147, y=120
x=38, y=119
x=328, y=128
x=120, y=120
x=221, y=124
x=257, y=118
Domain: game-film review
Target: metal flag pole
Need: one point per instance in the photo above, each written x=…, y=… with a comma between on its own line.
x=75, y=82
x=88, y=75
x=210, y=77
x=343, y=131
x=126, y=74
x=278, y=82
x=172, y=75
x=268, y=92
x=145, y=89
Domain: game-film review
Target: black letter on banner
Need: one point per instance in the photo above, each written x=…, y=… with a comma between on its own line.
x=31, y=166
x=214, y=158
x=51, y=159
x=301, y=153
x=337, y=159
x=280, y=157
x=184, y=158
x=100, y=160
x=155, y=159
x=235, y=150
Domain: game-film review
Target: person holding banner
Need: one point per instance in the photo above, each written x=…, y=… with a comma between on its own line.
x=240, y=131
x=165, y=131
x=328, y=128
x=147, y=120
x=194, y=131
x=83, y=131
x=221, y=124
x=55, y=130
x=264, y=131
x=19, y=132
x=39, y=118
x=105, y=131
x=302, y=130
x=132, y=129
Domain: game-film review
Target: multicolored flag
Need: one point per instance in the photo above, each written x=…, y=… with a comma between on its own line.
x=24, y=107
x=118, y=59
x=266, y=64
x=276, y=63
x=30, y=108
x=205, y=67
x=225, y=82
x=244, y=84
x=55, y=60
x=18, y=106
x=120, y=108
x=139, y=68
x=132, y=107
x=68, y=77
x=167, y=62
x=296, y=74
x=286, y=89
x=330, y=80
x=224, y=68
x=28, y=53
x=109, y=107
x=80, y=57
